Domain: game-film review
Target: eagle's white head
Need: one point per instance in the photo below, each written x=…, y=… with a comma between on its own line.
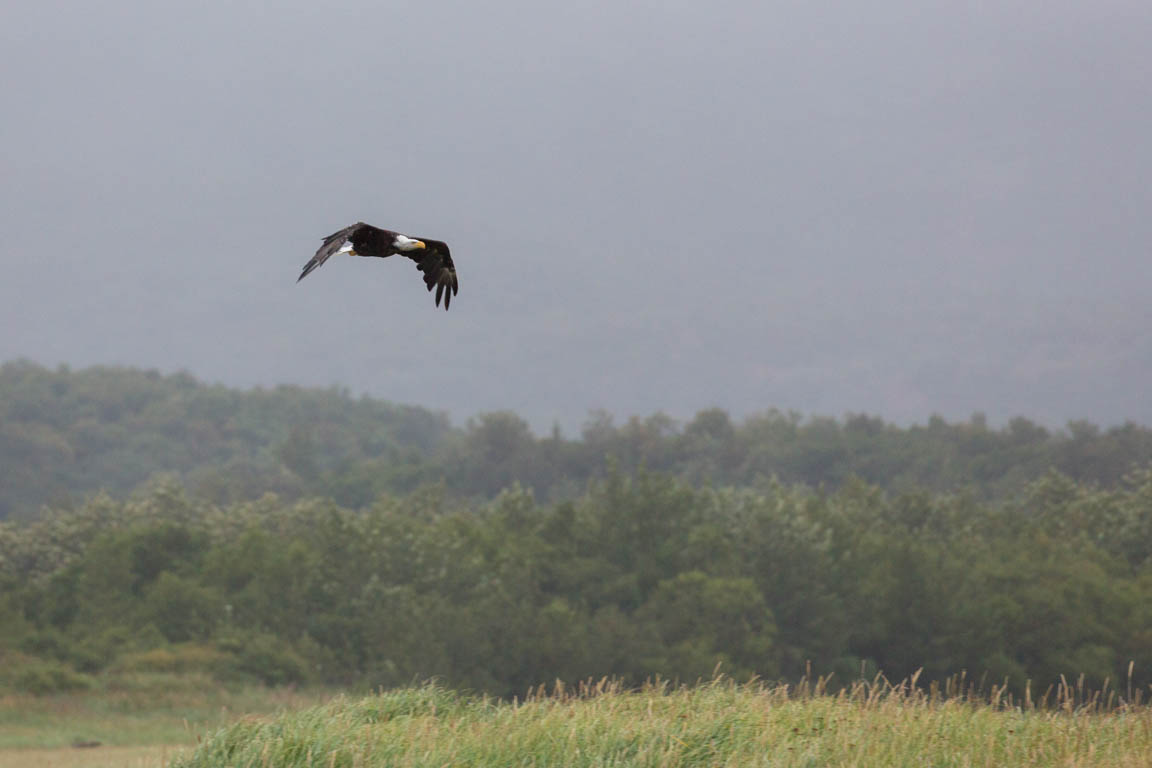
x=405, y=243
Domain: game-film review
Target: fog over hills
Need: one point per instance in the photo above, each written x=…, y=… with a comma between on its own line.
x=893, y=209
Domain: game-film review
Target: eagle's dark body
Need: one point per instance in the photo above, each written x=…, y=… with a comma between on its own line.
x=432, y=257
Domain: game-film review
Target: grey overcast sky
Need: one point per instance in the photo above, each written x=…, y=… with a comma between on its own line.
x=895, y=207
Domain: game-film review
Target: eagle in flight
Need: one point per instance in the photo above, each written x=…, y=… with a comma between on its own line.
x=431, y=256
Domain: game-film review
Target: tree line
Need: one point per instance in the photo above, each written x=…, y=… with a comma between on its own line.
x=65, y=435
x=641, y=574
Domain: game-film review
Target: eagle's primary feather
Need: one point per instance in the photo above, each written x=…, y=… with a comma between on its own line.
x=432, y=257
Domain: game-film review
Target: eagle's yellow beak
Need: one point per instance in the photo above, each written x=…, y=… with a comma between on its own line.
x=420, y=244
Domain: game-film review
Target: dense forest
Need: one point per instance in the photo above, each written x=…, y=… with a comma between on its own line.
x=302, y=536
x=641, y=575
x=65, y=435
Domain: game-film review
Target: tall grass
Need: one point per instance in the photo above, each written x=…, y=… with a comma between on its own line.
x=718, y=723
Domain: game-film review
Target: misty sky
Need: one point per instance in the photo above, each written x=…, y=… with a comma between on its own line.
x=901, y=208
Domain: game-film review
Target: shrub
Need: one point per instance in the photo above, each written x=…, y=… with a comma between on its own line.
x=181, y=609
x=26, y=674
x=266, y=658
x=190, y=658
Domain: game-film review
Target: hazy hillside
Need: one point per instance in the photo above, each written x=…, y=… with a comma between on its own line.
x=66, y=434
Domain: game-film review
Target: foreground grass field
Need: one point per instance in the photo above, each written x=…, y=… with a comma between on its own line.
x=714, y=724
x=140, y=721
x=159, y=710
x=104, y=757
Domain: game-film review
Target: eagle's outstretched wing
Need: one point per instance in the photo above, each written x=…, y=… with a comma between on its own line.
x=435, y=261
x=335, y=241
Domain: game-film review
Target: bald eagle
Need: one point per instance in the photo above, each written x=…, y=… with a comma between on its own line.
x=431, y=256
